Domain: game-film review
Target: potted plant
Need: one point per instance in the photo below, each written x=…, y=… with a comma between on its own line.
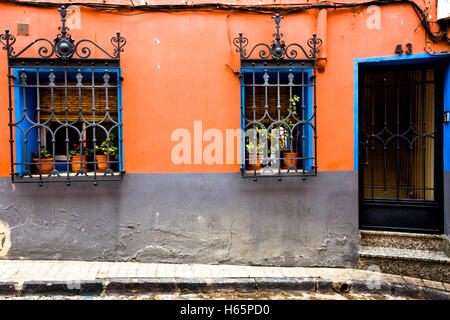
x=102, y=152
x=77, y=160
x=289, y=150
x=46, y=164
x=254, y=152
x=256, y=148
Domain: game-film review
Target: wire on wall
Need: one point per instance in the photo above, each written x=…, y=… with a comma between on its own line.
x=441, y=35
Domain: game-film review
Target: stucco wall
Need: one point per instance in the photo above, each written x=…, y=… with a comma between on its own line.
x=177, y=69
x=175, y=72
x=202, y=218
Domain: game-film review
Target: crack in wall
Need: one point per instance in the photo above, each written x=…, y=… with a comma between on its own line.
x=230, y=241
x=2, y=240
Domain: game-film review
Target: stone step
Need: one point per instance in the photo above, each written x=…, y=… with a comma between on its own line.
x=418, y=263
x=402, y=240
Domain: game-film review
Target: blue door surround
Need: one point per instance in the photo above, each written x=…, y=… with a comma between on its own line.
x=397, y=60
x=381, y=217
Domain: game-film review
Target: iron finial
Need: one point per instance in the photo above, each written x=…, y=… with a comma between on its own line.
x=63, y=13
x=278, y=46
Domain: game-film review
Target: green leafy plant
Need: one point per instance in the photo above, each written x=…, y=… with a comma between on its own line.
x=77, y=151
x=292, y=109
x=103, y=148
x=45, y=154
x=254, y=148
x=261, y=137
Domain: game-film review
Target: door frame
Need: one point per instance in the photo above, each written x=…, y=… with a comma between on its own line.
x=404, y=60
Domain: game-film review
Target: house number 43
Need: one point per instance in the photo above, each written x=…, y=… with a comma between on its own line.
x=399, y=50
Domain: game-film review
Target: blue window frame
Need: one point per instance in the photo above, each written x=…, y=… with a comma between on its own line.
x=278, y=132
x=65, y=110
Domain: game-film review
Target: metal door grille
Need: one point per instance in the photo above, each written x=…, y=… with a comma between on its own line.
x=64, y=102
x=278, y=108
x=400, y=148
x=398, y=134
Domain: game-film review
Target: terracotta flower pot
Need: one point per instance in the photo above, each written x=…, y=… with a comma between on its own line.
x=101, y=167
x=252, y=164
x=287, y=159
x=77, y=166
x=45, y=167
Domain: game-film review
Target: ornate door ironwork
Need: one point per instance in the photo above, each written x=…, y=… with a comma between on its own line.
x=400, y=148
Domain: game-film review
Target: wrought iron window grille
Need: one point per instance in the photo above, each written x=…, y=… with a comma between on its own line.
x=278, y=107
x=63, y=99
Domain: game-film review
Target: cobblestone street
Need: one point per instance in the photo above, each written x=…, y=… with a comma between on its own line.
x=222, y=296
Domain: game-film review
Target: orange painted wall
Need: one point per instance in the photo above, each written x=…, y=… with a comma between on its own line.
x=175, y=73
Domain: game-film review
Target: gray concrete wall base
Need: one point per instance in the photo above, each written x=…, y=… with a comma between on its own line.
x=447, y=203
x=189, y=218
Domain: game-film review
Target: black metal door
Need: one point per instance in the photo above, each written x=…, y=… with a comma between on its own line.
x=400, y=148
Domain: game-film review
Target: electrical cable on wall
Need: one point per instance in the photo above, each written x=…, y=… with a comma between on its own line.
x=441, y=35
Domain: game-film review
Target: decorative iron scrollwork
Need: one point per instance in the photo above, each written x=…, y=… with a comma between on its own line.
x=63, y=46
x=277, y=49
x=72, y=130
x=278, y=107
x=7, y=40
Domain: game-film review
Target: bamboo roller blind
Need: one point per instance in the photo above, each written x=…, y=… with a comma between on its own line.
x=73, y=104
x=272, y=101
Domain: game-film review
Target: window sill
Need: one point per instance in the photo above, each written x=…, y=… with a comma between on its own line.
x=90, y=176
x=275, y=172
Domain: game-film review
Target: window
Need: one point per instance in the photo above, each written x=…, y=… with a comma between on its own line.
x=278, y=121
x=66, y=120
x=278, y=108
x=65, y=111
